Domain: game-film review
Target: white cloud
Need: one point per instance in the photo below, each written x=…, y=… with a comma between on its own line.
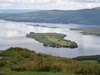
x=5, y=5
x=90, y=1
x=49, y=4
x=75, y=5
x=9, y=1
x=25, y=1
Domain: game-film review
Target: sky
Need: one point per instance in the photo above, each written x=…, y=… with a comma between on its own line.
x=49, y=4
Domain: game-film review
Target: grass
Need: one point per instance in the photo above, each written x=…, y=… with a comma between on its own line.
x=91, y=61
x=88, y=30
x=61, y=42
x=0, y=51
x=36, y=73
x=94, y=59
x=21, y=61
x=52, y=40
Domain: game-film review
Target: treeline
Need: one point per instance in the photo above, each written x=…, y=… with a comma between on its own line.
x=93, y=57
x=21, y=59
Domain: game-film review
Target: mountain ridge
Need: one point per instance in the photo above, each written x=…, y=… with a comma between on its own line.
x=17, y=10
x=83, y=16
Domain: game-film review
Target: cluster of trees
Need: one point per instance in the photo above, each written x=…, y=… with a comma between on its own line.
x=53, y=44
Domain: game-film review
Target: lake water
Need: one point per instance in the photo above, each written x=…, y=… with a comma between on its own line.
x=12, y=34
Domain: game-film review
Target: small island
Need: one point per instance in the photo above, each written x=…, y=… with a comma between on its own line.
x=55, y=40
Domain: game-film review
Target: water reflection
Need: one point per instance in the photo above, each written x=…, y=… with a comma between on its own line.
x=12, y=34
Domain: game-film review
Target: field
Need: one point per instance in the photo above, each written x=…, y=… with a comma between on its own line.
x=91, y=61
x=88, y=30
x=52, y=40
x=21, y=61
x=61, y=42
x=94, y=59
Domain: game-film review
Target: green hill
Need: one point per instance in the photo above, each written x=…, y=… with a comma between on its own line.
x=21, y=61
x=85, y=16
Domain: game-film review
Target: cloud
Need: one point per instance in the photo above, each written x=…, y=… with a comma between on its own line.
x=5, y=5
x=46, y=1
x=49, y=4
x=25, y=1
x=76, y=4
x=90, y=1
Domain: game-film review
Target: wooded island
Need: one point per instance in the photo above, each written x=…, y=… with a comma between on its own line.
x=52, y=40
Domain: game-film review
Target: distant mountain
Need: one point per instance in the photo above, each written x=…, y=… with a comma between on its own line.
x=16, y=10
x=85, y=16
x=97, y=8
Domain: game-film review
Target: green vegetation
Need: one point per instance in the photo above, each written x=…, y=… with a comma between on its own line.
x=85, y=16
x=52, y=40
x=0, y=51
x=35, y=73
x=21, y=61
x=88, y=30
x=92, y=59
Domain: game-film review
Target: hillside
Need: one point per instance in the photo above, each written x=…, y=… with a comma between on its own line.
x=21, y=61
x=85, y=16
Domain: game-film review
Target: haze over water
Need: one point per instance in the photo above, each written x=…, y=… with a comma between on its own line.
x=12, y=34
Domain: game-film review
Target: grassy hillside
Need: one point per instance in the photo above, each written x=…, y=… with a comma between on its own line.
x=86, y=16
x=52, y=40
x=21, y=61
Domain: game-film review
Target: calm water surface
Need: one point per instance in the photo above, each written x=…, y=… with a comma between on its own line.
x=12, y=34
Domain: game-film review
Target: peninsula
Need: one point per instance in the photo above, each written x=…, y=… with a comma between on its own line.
x=88, y=30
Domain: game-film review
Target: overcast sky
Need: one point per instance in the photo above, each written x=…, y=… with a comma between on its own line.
x=49, y=4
